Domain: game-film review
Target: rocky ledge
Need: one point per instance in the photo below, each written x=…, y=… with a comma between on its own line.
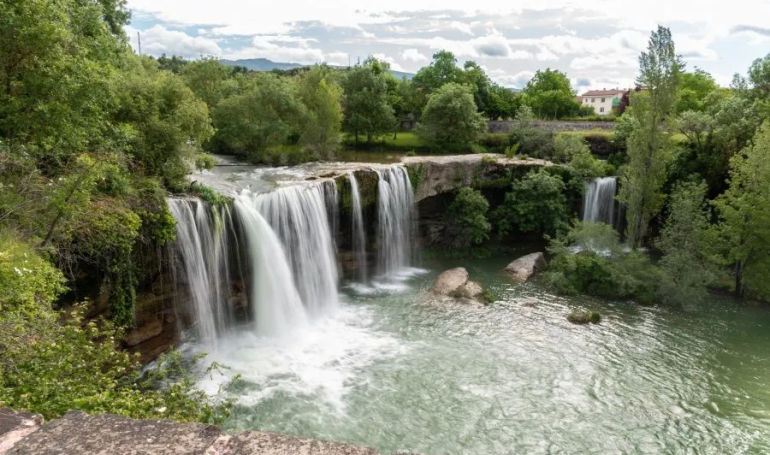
x=434, y=175
x=106, y=434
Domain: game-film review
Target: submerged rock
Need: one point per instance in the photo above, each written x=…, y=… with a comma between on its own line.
x=524, y=267
x=456, y=284
x=584, y=317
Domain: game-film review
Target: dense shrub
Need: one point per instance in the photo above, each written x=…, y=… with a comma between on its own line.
x=451, y=120
x=528, y=139
x=495, y=143
x=466, y=219
x=536, y=204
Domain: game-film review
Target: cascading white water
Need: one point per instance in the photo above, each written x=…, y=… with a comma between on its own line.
x=204, y=250
x=276, y=304
x=298, y=215
x=358, y=233
x=599, y=205
x=396, y=217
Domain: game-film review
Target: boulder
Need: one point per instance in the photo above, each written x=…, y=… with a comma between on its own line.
x=456, y=284
x=149, y=330
x=450, y=281
x=584, y=317
x=524, y=267
x=15, y=426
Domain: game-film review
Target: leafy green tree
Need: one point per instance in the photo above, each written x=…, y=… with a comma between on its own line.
x=649, y=145
x=263, y=115
x=685, y=241
x=321, y=97
x=550, y=95
x=366, y=109
x=451, y=121
x=744, y=218
x=503, y=103
x=466, y=219
x=206, y=78
x=442, y=70
x=475, y=77
x=536, y=204
x=573, y=150
x=695, y=88
x=530, y=140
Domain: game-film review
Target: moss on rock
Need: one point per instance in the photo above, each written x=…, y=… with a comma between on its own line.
x=584, y=317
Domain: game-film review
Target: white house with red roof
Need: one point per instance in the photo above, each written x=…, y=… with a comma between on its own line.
x=602, y=100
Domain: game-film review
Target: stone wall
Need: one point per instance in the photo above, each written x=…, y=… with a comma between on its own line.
x=106, y=434
x=496, y=126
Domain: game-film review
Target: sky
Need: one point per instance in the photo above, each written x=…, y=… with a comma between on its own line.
x=595, y=42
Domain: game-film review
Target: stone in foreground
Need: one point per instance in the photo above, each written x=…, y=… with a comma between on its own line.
x=456, y=284
x=584, y=317
x=524, y=267
x=107, y=434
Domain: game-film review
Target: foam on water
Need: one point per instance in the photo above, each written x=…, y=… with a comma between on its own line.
x=324, y=361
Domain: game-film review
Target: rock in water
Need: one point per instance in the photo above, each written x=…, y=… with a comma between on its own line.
x=450, y=281
x=524, y=267
x=456, y=284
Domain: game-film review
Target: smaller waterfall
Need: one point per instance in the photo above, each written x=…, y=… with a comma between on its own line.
x=599, y=205
x=204, y=235
x=396, y=218
x=275, y=301
x=358, y=233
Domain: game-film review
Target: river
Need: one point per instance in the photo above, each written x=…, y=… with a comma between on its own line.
x=388, y=370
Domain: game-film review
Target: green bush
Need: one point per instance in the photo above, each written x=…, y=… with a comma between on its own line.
x=466, y=219
x=536, y=204
x=49, y=368
x=451, y=120
x=204, y=161
x=495, y=143
x=531, y=140
x=600, y=267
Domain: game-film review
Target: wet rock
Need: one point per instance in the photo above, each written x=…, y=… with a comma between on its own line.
x=524, y=267
x=15, y=426
x=456, y=284
x=149, y=330
x=584, y=317
x=257, y=442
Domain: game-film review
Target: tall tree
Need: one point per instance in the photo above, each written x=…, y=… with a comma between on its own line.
x=442, y=70
x=745, y=218
x=451, y=120
x=550, y=95
x=206, y=77
x=321, y=97
x=366, y=108
x=694, y=90
x=649, y=147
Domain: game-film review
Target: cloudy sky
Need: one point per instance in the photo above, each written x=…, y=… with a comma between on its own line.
x=596, y=42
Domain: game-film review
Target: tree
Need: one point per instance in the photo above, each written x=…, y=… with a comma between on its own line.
x=442, y=70
x=685, y=241
x=649, y=143
x=503, y=103
x=744, y=225
x=466, y=219
x=536, y=204
x=550, y=95
x=321, y=97
x=365, y=105
x=262, y=115
x=474, y=76
x=206, y=78
x=450, y=120
x=695, y=88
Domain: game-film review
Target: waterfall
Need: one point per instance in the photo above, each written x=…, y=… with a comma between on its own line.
x=599, y=203
x=358, y=233
x=298, y=215
x=204, y=247
x=396, y=217
x=276, y=304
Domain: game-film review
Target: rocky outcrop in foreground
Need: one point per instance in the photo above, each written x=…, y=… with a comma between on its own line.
x=524, y=267
x=456, y=284
x=83, y=434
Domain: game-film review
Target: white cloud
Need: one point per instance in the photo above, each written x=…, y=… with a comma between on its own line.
x=393, y=64
x=462, y=27
x=267, y=46
x=413, y=55
x=160, y=40
x=338, y=58
x=518, y=80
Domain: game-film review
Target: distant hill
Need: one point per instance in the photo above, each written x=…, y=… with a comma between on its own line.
x=263, y=64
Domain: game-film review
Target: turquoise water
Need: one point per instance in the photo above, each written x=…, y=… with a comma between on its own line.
x=390, y=370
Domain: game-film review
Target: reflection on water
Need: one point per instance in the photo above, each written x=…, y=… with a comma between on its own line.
x=390, y=371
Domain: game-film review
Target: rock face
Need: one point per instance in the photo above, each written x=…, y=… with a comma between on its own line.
x=150, y=329
x=15, y=426
x=456, y=284
x=524, y=267
x=82, y=434
x=434, y=175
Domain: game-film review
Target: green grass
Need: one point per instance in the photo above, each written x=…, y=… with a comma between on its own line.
x=594, y=132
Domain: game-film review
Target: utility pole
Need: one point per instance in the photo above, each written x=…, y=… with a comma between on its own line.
x=139, y=38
